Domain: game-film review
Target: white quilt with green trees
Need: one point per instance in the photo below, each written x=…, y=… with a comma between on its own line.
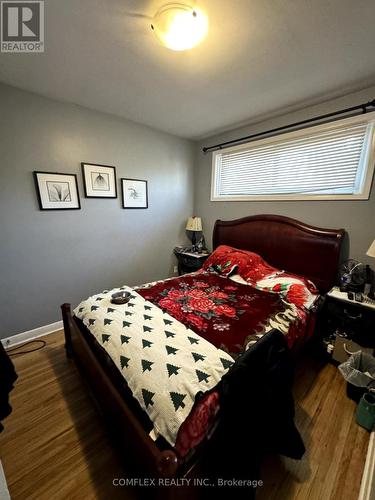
x=164, y=363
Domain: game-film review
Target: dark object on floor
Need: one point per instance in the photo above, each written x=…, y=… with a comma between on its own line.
x=19, y=349
x=365, y=414
x=7, y=378
x=266, y=418
x=354, y=393
x=257, y=417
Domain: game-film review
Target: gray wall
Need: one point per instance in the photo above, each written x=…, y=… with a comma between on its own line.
x=357, y=217
x=51, y=257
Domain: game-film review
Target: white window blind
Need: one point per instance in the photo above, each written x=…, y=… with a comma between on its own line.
x=319, y=162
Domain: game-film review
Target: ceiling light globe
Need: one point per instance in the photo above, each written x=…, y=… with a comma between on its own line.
x=180, y=27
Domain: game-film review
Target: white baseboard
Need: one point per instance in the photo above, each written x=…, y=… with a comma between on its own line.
x=4, y=492
x=367, y=491
x=20, y=338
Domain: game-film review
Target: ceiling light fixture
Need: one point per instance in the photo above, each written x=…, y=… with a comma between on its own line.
x=179, y=26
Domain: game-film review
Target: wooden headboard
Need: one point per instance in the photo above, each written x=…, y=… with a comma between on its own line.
x=287, y=244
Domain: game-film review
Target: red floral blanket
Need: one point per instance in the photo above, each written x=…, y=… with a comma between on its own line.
x=225, y=313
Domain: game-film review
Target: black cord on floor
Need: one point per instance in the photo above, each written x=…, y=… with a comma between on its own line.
x=11, y=352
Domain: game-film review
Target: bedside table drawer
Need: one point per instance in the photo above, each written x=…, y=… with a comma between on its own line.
x=352, y=318
x=190, y=262
x=187, y=263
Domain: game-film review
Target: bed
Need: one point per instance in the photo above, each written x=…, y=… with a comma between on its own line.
x=284, y=243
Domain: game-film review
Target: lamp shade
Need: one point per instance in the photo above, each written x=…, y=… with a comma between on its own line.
x=371, y=251
x=179, y=26
x=194, y=224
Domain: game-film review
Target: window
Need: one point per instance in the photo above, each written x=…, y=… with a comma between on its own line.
x=334, y=161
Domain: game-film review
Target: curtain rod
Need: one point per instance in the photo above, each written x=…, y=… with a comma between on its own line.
x=222, y=145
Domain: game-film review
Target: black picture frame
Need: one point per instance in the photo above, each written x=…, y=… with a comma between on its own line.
x=103, y=170
x=127, y=184
x=43, y=190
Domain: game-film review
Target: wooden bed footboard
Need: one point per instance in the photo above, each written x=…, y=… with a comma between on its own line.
x=148, y=459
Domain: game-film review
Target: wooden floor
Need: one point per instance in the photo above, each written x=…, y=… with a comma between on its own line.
x=54, y=445
x=336, y=446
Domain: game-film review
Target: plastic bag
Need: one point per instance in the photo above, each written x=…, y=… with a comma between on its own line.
x=359, y=370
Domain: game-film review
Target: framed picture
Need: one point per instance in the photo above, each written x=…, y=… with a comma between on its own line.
x=99, y=180
x=57, y=191
x=134, y=193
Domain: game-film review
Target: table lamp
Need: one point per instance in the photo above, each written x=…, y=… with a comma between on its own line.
x=194, y=224
x=371, y=253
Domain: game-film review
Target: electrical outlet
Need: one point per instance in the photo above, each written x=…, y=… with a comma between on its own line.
x=175, y=269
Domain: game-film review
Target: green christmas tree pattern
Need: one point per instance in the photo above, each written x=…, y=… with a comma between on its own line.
x=171, y=350
x=147, y=397
x=146, y=343
x=177, y=400
x=146, y=365
x=172, y=369
x=124, y=361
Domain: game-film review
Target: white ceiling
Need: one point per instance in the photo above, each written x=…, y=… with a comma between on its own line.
x=260, y=57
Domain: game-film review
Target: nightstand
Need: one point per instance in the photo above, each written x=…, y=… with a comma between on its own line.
x=189, y=262
x=350, y=323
